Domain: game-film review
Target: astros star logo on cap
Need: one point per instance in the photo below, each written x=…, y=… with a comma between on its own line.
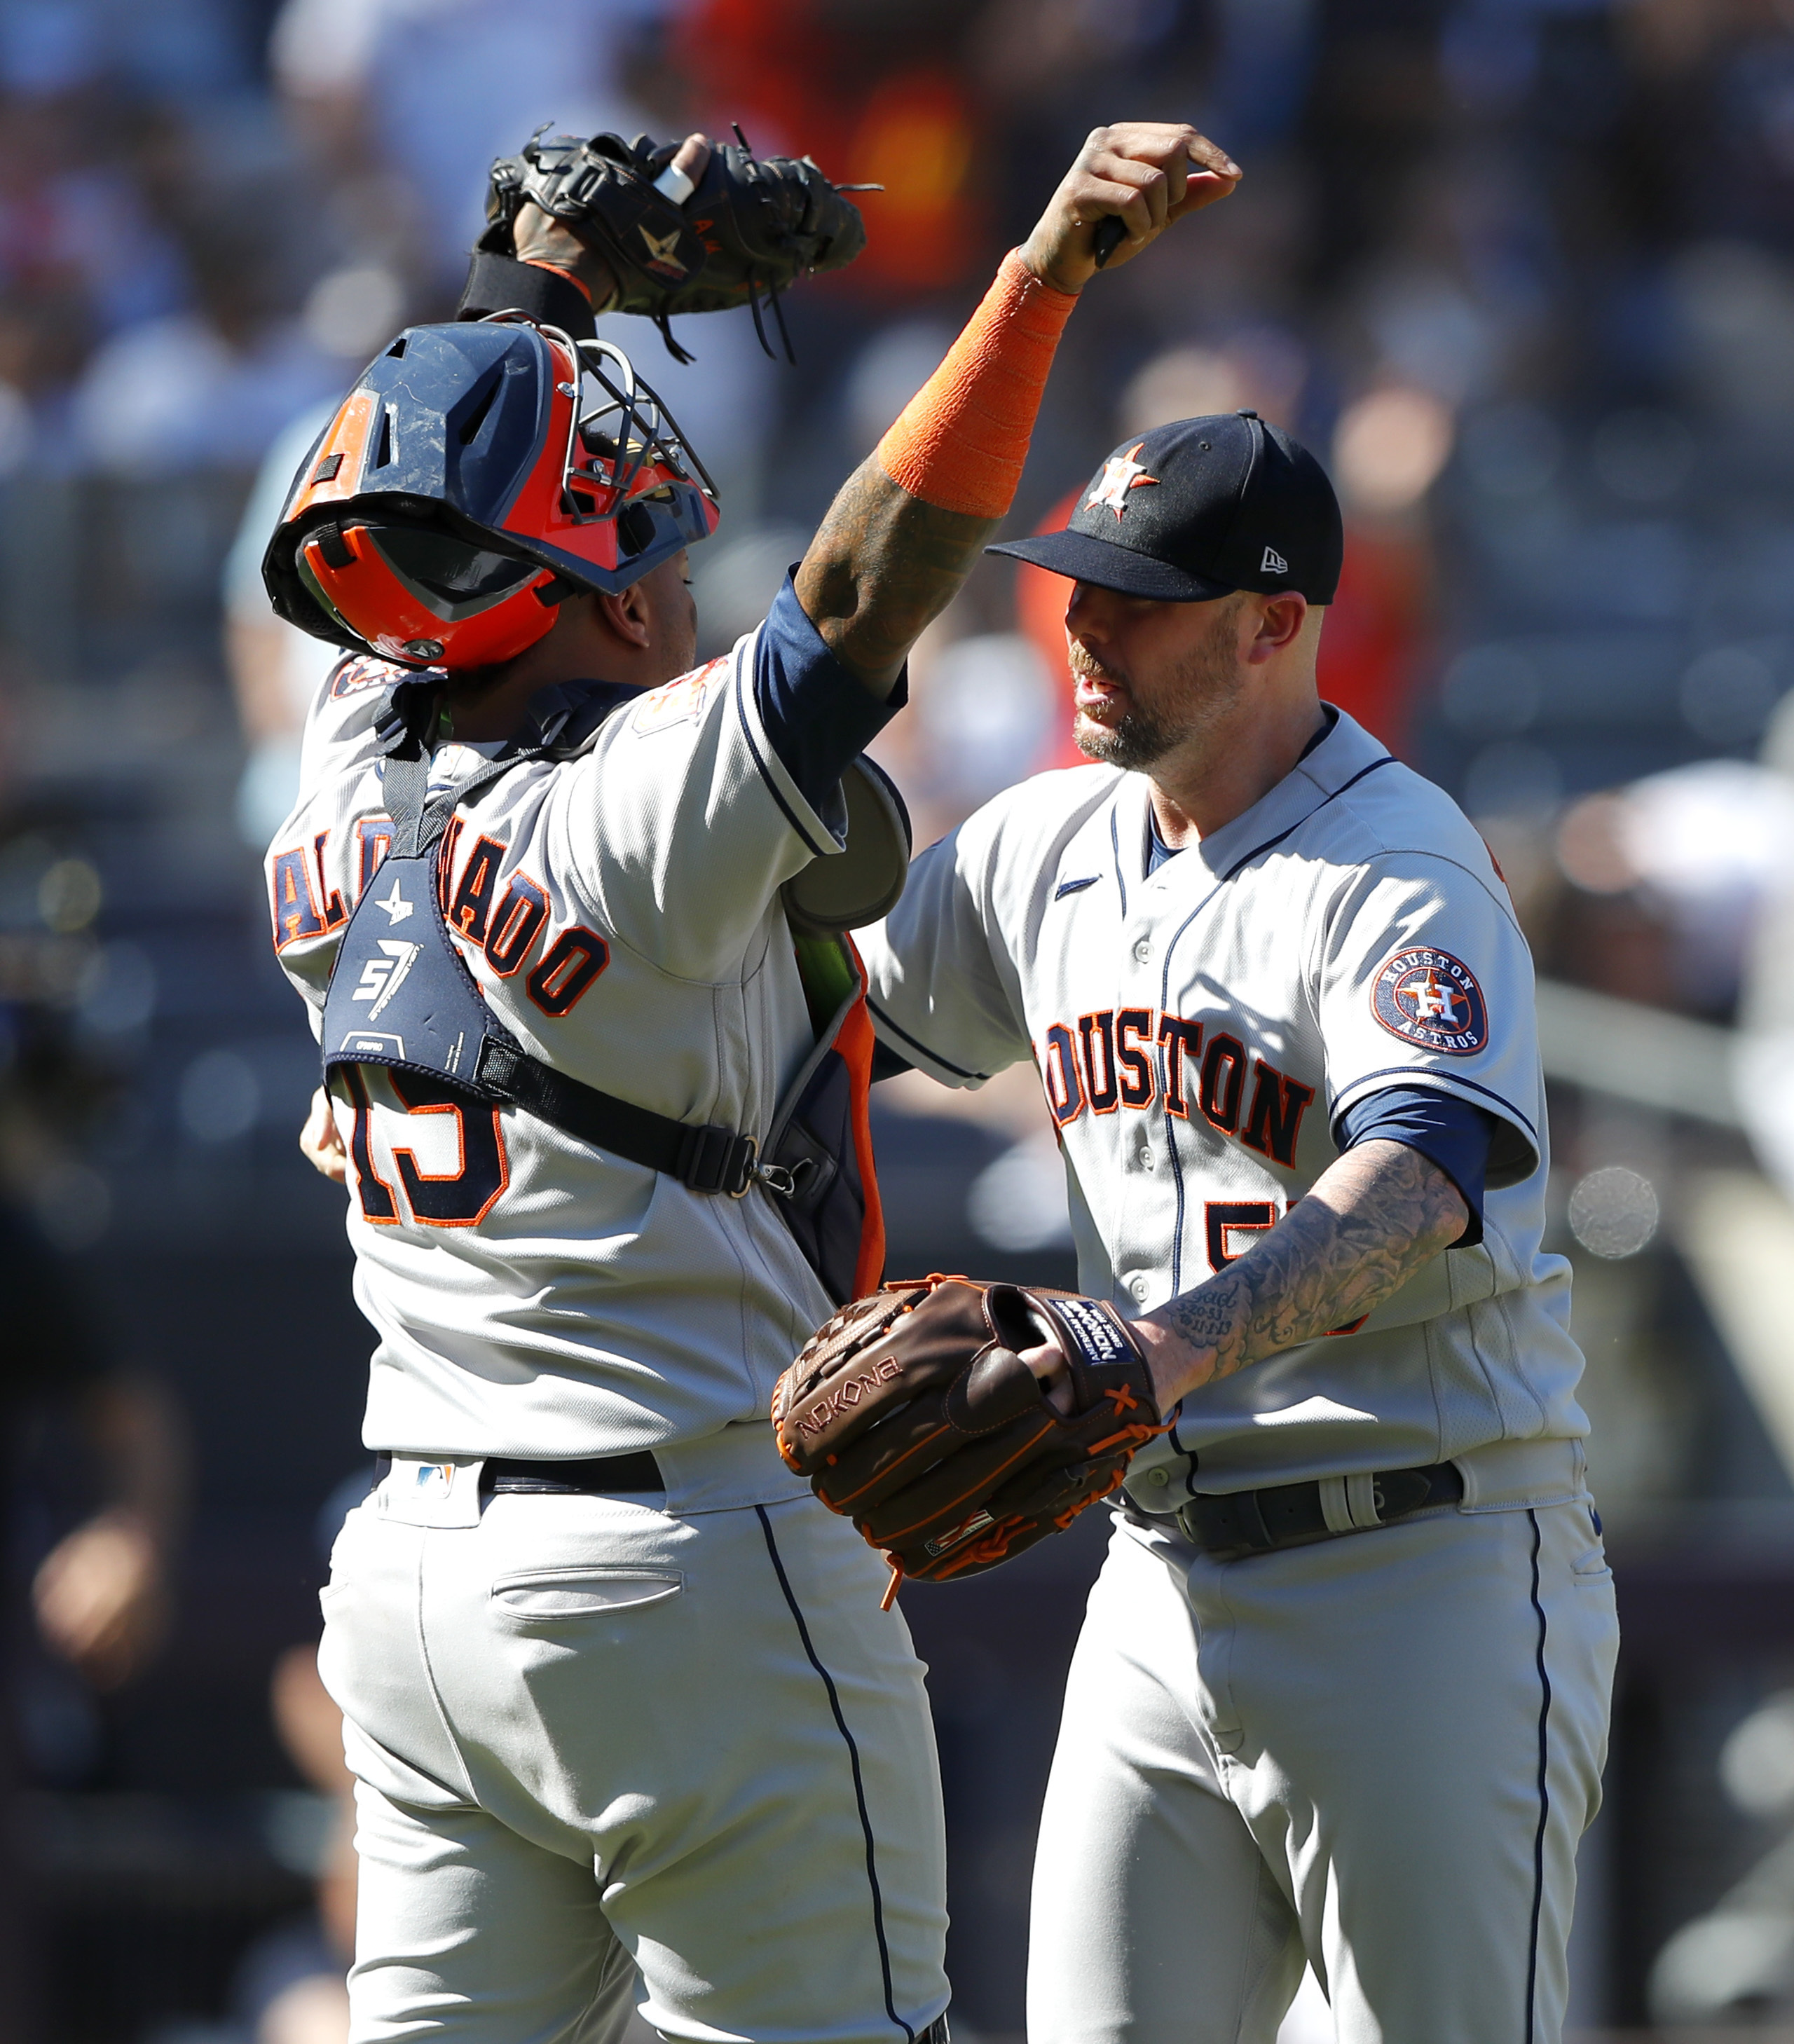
x=1121, y=472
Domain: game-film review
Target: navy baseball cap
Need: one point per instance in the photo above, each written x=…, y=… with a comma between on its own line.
x=1197, y=510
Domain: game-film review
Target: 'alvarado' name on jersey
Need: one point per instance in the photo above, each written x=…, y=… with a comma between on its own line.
x=305, y=906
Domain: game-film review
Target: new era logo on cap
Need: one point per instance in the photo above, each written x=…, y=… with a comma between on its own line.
x=1273, y=562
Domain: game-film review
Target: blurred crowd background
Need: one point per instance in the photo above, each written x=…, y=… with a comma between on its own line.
x=1521, y=271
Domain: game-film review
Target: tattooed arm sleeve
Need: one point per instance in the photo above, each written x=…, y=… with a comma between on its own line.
x=1373, y=1218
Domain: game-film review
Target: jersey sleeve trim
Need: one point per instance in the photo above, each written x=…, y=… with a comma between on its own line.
x=818, y=836
x=817, y=715
x=1509, y=1163
x=884, y=1023
x=1449, y=1132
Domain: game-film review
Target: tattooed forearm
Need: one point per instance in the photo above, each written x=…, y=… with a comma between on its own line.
x=1373, y=1219
x=882, y=566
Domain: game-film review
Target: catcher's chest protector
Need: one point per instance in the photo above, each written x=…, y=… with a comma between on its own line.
x=402, y=997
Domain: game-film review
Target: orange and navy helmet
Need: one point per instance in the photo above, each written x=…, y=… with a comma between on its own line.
x=476, y=476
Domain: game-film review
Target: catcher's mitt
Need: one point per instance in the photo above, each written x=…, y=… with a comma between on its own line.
x=912, y=1412
x=752, y=225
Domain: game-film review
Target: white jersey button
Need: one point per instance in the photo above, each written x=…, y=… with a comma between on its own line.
x=1139, y=1286
x=1158, y=1477
x=1143, y=950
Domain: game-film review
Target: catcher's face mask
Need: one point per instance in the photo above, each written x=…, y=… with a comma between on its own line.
x=477, y=475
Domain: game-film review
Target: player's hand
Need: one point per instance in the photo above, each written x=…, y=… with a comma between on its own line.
x=539, y=237
x=101, y=1597
x=1150, y=173
x=321, y=1141
x=1052, y=1372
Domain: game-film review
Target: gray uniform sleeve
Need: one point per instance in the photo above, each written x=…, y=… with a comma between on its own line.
x=1423, y=977
x=941, y=991
x=683, y=823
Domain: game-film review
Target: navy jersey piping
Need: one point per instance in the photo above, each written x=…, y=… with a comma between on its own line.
x=1115, y=839
x=915, y=1042
x=1257, y=852
x=790, y=814
x=1074, y=887
x=1177, y=1173
x=1544, y=1796
x=859, y=1785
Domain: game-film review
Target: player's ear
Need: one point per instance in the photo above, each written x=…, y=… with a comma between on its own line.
x=1280, y=619
x=628, y=614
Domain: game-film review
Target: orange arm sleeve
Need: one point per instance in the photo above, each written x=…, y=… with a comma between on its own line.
x=960, y=442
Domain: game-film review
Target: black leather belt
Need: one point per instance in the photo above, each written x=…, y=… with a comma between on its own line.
x=1295, y=1515
x=600, y=1476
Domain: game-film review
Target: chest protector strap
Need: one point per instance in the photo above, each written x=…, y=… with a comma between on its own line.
x=400, y=995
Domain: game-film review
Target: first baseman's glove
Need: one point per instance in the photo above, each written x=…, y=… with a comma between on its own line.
x=752, y=227
x=912, y=1412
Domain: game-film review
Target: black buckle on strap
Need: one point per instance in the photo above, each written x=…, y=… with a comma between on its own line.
x=716, y=1160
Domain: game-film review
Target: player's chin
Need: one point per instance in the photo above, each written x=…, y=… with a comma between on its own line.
x=1094, y=739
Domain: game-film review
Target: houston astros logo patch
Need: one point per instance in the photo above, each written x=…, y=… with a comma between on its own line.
x=1429, y=998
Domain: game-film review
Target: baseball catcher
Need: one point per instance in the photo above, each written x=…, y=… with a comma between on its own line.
x=569, y=912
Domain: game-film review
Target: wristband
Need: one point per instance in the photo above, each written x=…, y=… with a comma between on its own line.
x=961, y=441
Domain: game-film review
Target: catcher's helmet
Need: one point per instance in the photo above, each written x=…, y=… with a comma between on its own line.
x=477, y=475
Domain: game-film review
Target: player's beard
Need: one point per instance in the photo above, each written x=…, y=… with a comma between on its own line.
x=1196, y=698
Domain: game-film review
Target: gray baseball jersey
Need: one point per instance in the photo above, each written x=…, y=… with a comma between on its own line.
x=1198, y=1032
x=620, y=913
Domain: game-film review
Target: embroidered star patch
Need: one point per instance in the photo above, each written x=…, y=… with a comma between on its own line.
x=1121, y=472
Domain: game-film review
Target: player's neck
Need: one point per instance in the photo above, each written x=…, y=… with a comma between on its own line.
x=1204, y=785
x=491, y=705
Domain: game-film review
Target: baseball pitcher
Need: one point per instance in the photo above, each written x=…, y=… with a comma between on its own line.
x=1342, y=1693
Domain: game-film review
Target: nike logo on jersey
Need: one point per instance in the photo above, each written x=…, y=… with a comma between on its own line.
x=382, y=978
x=394, y=903
x=1135, y=1057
